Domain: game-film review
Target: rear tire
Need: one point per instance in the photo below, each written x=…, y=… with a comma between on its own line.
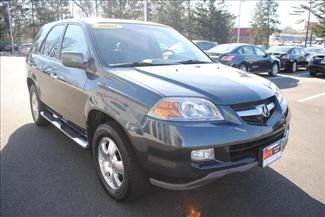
x=274, y=70
x=243, y=67
x=293, y=67
x=36, y=107
x=111, y=147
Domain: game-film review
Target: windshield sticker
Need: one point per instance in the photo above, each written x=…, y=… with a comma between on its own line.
x=106, y=26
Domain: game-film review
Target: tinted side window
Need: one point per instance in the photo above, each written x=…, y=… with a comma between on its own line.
x=248, y=50
x=74, y=40
x=259, y=51
x=294, y=51
x=239, y=51
x=39, y=38
x=51, y=46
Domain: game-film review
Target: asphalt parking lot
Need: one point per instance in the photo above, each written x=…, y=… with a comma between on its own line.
x=43, y=173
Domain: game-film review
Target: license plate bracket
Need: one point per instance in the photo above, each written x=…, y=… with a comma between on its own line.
x=269, y=154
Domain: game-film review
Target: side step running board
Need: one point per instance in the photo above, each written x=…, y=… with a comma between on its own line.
x=67, y=130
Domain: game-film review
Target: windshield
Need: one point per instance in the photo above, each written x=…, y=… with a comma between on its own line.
x=138, y=44
x=279, y=49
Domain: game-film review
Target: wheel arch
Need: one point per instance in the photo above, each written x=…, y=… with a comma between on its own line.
x=95, y=118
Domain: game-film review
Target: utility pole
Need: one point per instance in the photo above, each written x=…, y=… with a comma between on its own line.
x=96, y=8
x=268, y=24
x=307, y=27
x=10, y=27
x=33, y=19
x=238, y=28
x=145, y=10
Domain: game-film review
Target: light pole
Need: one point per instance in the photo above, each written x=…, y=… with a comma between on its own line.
x=238, y=28
x=145, y=10
x=308, y=20
x=10, y=28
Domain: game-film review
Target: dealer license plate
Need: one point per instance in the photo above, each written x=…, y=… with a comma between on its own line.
x=269, y=154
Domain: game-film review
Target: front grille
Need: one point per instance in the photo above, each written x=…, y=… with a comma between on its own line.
x=255, y=118
x=250, y=149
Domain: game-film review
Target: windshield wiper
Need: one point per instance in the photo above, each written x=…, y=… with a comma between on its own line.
x=137, y=64
x=193, y=62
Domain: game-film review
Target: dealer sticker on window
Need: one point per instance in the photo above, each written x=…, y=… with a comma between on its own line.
x=269, y=154
x=106, y=26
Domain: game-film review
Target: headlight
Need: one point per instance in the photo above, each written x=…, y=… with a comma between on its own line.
x=185, y=109
x=276, y=92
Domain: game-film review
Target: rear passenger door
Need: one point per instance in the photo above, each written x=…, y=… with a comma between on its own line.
x=47, y=65
x=263, y=62
x=302, y=59
x=250, y=57
x=71, y=99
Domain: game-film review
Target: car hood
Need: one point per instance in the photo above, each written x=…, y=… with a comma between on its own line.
x=219, y=83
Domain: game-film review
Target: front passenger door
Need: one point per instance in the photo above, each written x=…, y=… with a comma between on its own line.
x=71, y=81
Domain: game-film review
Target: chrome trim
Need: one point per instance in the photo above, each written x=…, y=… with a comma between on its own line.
x=255, y=111
x=79, y=140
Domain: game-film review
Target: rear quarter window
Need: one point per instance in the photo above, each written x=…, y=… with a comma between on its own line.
x=40, y=38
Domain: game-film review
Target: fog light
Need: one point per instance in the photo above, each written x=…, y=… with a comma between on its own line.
x=203, y=154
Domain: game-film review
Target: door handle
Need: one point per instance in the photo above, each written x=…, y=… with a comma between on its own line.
x=54, y=75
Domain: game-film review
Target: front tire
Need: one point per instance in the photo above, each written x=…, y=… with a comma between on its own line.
x=116, y=163
x=36, y=107
x=311, y=73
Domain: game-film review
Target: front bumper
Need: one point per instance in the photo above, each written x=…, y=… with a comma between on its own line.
x=163, y=148
x=317, y=68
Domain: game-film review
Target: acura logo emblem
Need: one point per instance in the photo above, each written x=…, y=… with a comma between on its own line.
x=265, y=111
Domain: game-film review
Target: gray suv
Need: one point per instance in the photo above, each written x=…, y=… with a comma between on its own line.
x=151, y=106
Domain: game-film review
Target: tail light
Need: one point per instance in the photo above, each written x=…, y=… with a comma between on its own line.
x=285, y=57
x=227, y=58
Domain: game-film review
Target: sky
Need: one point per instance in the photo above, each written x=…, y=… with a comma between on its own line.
x=284, y=10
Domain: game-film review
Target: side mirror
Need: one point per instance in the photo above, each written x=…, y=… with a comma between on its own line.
x=266, y=55
x=73, y=59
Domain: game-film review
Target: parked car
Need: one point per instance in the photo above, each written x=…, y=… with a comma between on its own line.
x=205, y=45
x=8, y=48
x=178, y=121
x=24, y=48
x=246, y=57
x=314, y=50
x=291, y=58
x=316, y=64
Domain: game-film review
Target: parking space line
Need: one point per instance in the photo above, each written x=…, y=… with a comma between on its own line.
x=311, y=97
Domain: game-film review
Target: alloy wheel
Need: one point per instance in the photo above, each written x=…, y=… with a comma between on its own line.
x=294, y=67
x=243, y=68
x=275, y=69
x=35, y=106
x=110, y=163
